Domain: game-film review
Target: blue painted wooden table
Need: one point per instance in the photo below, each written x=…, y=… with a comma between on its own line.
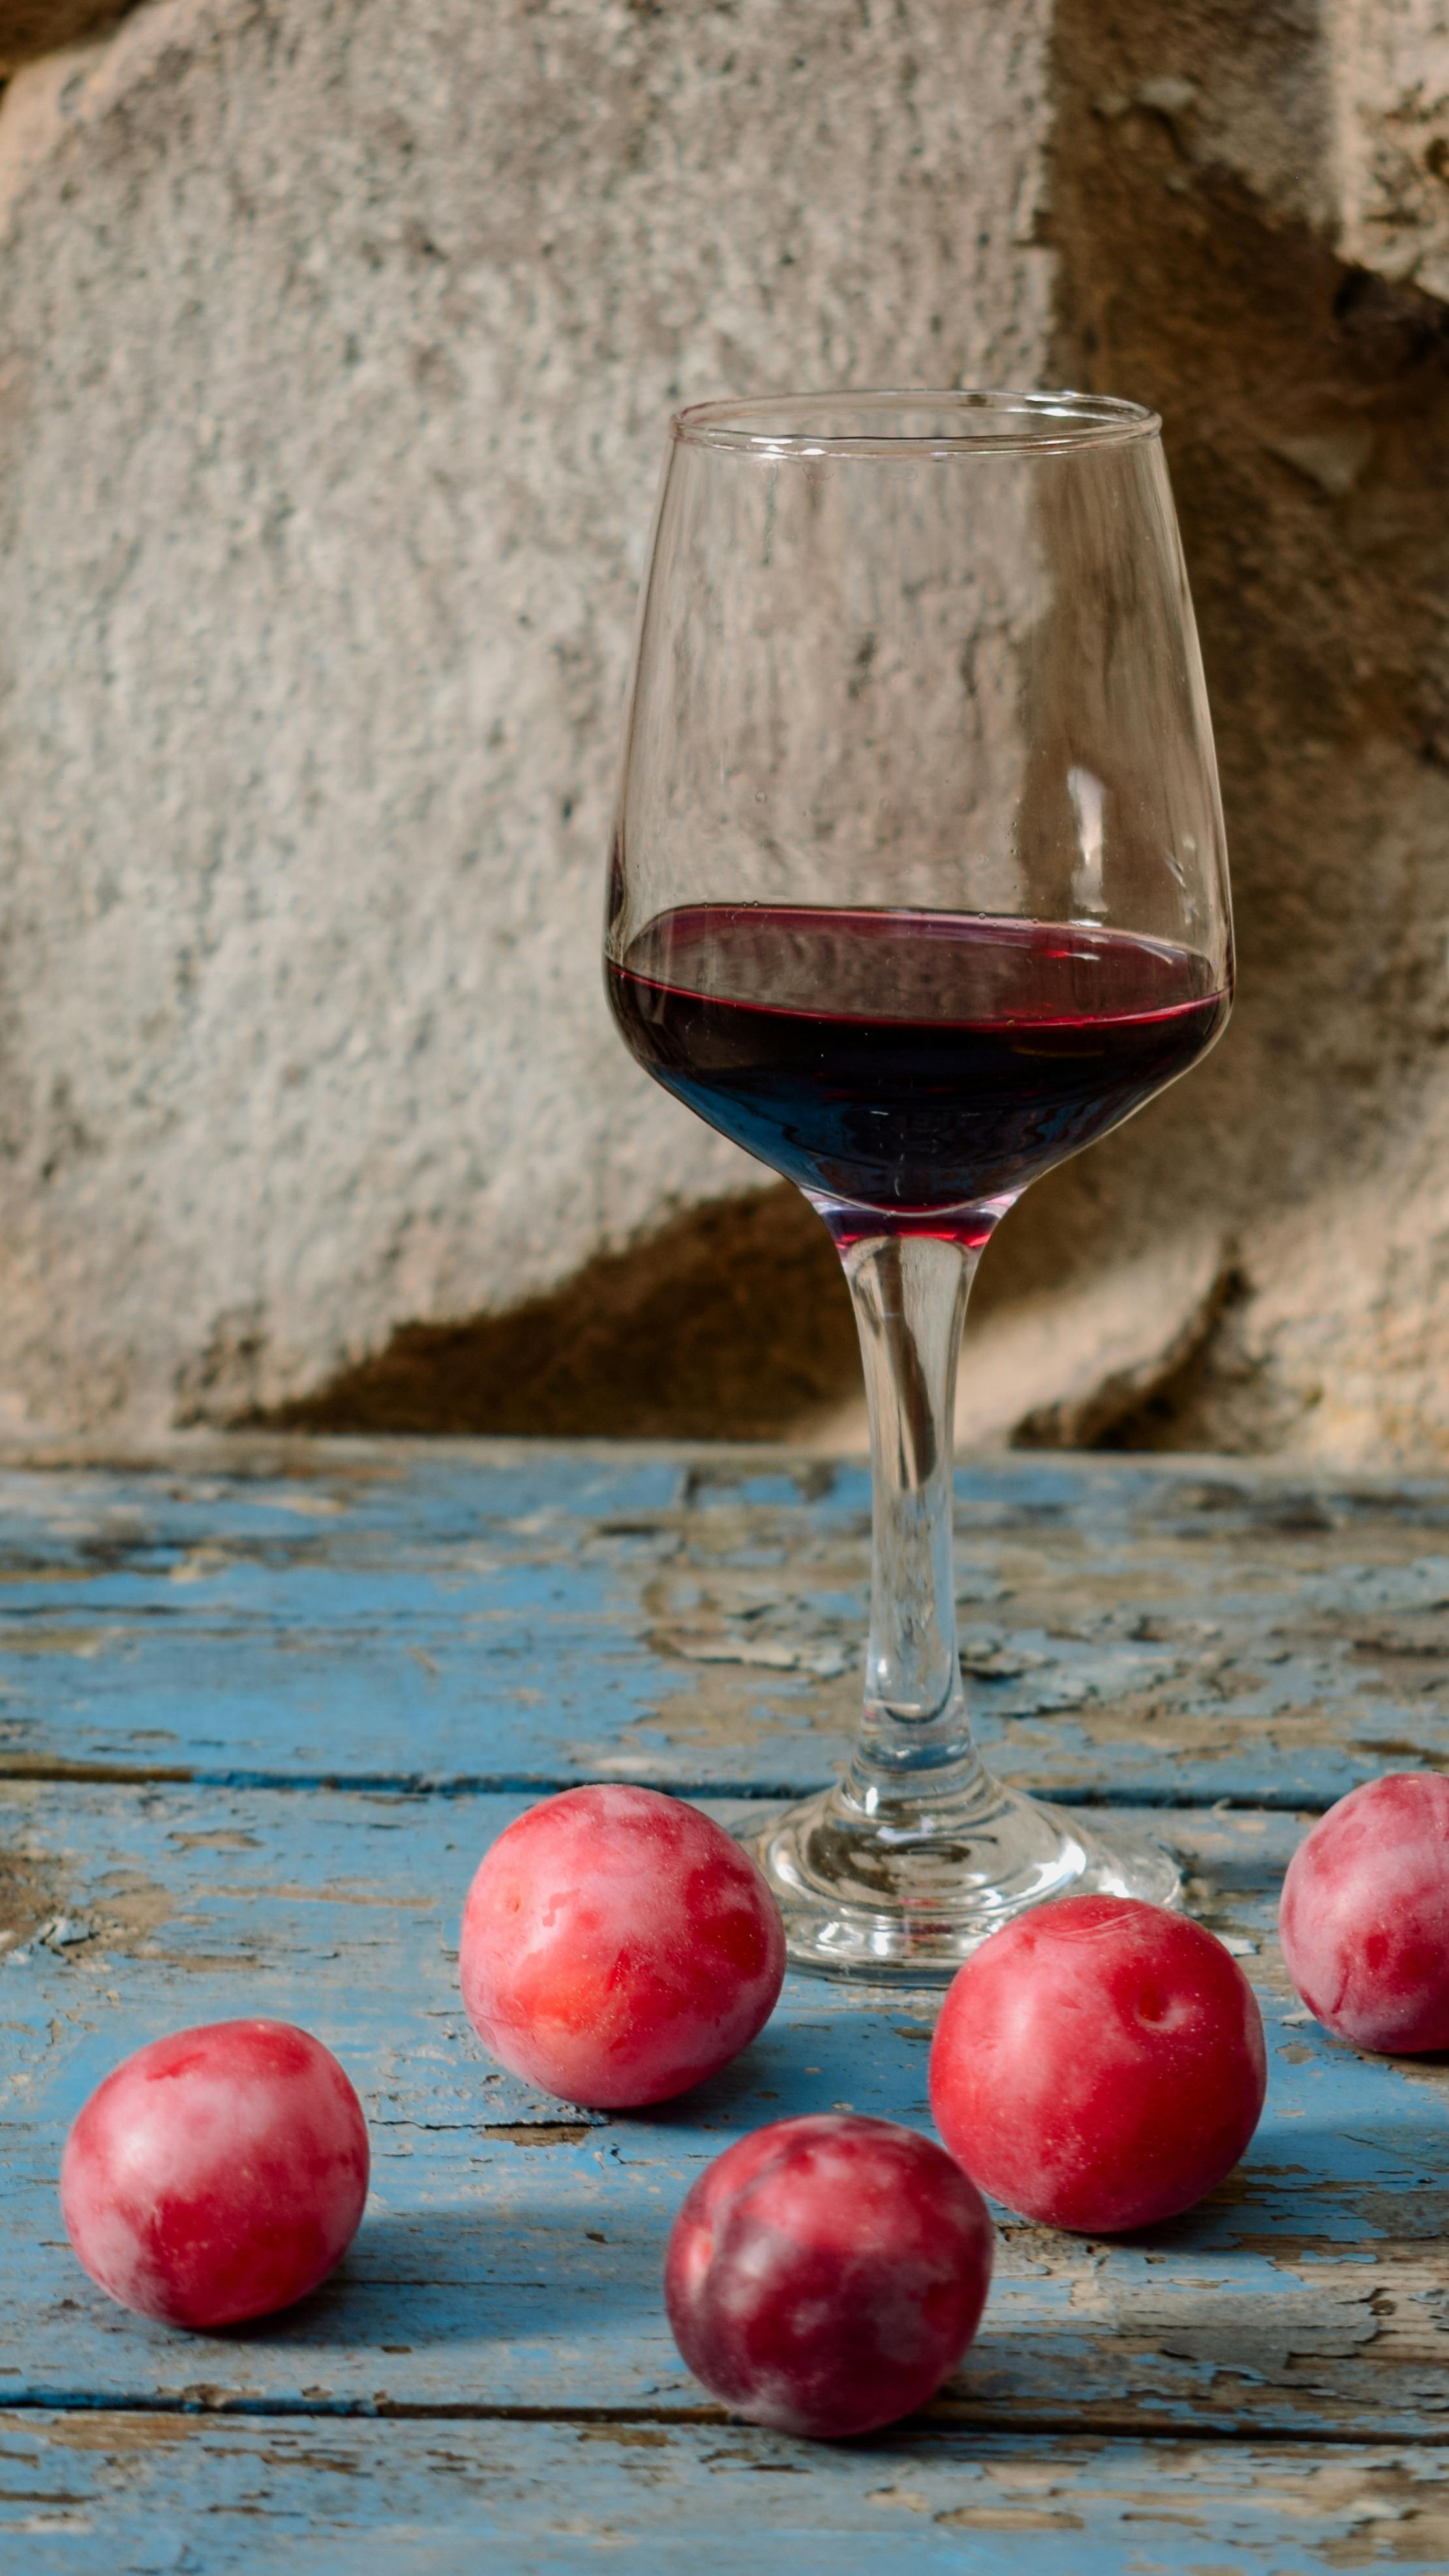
x=262, y=1706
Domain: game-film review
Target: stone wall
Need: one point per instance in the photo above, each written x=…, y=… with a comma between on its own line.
x=1241, y=244
x=31, y=27
x=336, y=343
x=335, y=340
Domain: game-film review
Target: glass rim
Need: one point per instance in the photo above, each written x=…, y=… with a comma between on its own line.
x=1052, y=423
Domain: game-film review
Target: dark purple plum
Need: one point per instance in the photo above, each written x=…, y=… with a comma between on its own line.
x=826, y=2274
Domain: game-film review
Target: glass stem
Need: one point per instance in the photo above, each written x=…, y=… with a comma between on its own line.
x=910, y=1293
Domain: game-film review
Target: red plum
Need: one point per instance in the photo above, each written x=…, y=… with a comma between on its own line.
x=618, y=1947
x=1099, y=2064
x=217, y=2174
x=826, y=2274
x=1364, y=1917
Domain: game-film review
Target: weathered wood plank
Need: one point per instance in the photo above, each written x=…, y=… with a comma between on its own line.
x=1169, y=1631
x=85, y=2495
x=512, y=2254
x=1158, y=1631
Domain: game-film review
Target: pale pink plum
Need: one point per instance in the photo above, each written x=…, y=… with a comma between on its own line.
x=1099, y=2064
x=1365, y=1915
x=217, y=2174
x=618, y=1946
x=825, y=2275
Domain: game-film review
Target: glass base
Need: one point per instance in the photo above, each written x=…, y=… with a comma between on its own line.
x=898, y=1890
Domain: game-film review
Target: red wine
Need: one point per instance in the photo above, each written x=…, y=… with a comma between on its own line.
x=909, y=1061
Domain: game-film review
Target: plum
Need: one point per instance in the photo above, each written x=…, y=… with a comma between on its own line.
x=826, y=2274
x=618, y=1946
x=217, y=2174
x=1364, y=1917
x=1098, y=2064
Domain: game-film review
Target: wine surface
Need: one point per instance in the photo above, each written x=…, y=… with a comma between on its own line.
x=909, y=1061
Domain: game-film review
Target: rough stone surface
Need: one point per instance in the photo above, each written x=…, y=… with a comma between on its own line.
x=1307, y=403
x=30, y=27
x=336, y=341
x=1391, y=96
x=1249, y=206
x=334, y=344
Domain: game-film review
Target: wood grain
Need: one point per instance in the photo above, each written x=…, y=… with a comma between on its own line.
x=1217, y=2392
x=84, y=2495
x=499, y=1616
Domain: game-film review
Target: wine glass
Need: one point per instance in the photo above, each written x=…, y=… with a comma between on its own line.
x=918, y=885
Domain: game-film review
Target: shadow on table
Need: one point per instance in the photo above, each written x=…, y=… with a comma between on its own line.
x=522, y=2271
x=536, y=2266
x=1327, y=2189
